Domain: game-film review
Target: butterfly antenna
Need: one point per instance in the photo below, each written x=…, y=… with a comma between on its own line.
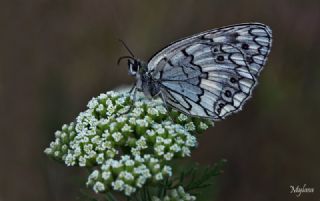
x=125, y=45
x=125, y=57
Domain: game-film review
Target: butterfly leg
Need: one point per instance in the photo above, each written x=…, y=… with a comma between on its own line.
x=162, y=96
x=132, y=93
x=133, y=89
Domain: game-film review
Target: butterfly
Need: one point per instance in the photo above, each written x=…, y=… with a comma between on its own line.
x=210, y=74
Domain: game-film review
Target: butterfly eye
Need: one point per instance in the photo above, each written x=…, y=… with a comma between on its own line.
x=133, y=67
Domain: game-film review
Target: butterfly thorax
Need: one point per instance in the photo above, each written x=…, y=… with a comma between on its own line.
x=146, y=84
x=144, y=80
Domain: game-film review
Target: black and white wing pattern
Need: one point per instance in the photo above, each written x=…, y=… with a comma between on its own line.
x=213, y=73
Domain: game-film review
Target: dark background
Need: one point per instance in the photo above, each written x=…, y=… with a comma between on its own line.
x=56, y=55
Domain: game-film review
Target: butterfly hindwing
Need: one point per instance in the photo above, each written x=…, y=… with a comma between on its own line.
x=213, y=73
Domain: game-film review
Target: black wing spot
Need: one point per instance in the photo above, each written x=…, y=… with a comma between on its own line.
x=227, y=93
x=235, y=34
x=233, y=80
x=245, y=46
x=220, y=58
x=232, y=38
x=249, y=60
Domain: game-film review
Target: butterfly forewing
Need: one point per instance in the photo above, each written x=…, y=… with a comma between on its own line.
x=213, y=73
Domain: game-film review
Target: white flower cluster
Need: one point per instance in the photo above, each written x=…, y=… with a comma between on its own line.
x=178, y=194
x=136, y=136
x=131, y=173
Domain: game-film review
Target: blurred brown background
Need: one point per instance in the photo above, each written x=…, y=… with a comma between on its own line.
x=56, y=55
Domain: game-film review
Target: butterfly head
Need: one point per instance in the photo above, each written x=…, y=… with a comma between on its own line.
x=134, y=67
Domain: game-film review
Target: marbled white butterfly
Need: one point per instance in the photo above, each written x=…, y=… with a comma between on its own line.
x=210, y=74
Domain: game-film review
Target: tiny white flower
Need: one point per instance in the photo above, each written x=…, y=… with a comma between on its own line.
x=112, y=93
x=160, y=131
x=124, y=110
x=142, y=123
x=128, y=190
x=159, y=140
x=117, y=136
x=127, y=176
x=190, y=126
x=185, y=151
x=102, y=96
x=69, y=160
x=138, y=104
x=182, y=117
x=100, y=108
x=153, y=111
x=175, y=148
x=203, y=126
x=94, y=175
x=92, y=103
x=135, y=151
x=111, y=153
x=57, y=134
x=156, y=167
x=152, y=160
x=167, y=170
x=161, y=109
x=125, y=158
x=121, y=119
x=106, y=134
x=120, y=101
x=87, y=148
x=159, y=149
x=167, y=141
x=172, y=132
x=64, y=127
x=132, y=121
x=126, y=128
x=141, y=181
x=150, y=133
x=137, y=112
x=82, y=161
x=141, y=143
x=48, y=151
x=118, y=185
x=179, y=140
x=129, y=163
x=77, y=151
x=96, y=139
x=113, y=126
x=168, y=156
x=106, y=175
x=98, y=187
x=158, y=176
x=138, y=159
x=111, y=109
x=109, y=103
x=191, y=141
x=100, y=158
x=116, y=164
